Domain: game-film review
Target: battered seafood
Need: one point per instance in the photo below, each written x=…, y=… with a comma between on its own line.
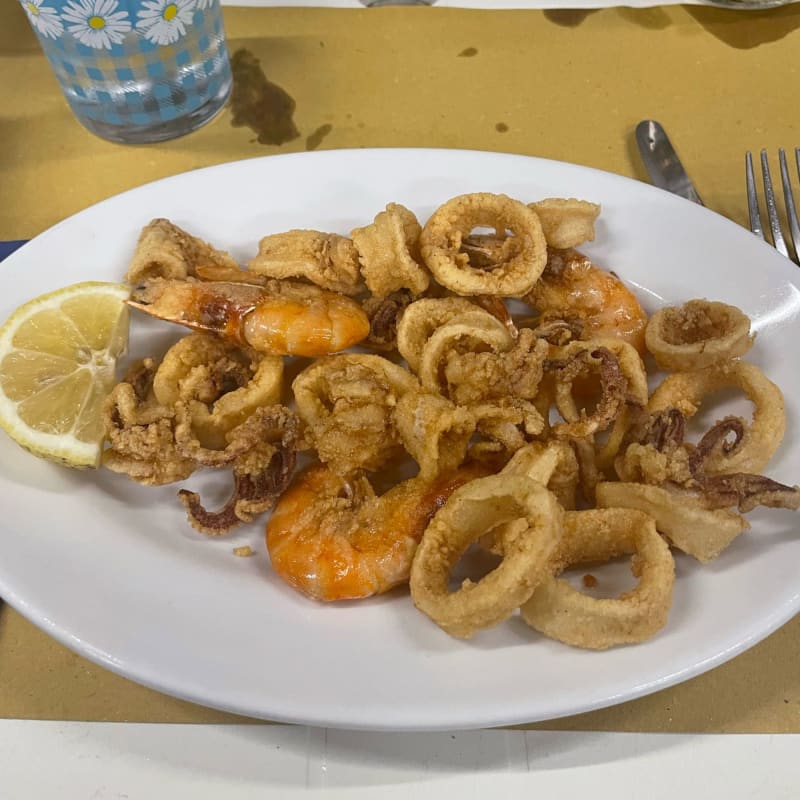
x=261, y=452
x=572, y=286
x=561, y=612
x=520, y=259
x=513, y=422
x=208, y=404
x=281, y=319
x=335, y=539
x=346, y=403
x=326, y=259
x=421, y=319
x=566, y=223
x=697, y=334
x=166, y=251
x=141, y=432
x=476, y=509
x=760, y=439
x=388, y=251
x=434, y=432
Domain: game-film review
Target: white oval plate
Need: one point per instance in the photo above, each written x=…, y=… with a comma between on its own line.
x=112, y=570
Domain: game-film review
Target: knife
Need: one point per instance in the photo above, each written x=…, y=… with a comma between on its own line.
x=662, y=162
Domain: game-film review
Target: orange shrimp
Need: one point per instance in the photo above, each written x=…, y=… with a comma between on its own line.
x=282, y=318
x=571, y=286
x=336, y=540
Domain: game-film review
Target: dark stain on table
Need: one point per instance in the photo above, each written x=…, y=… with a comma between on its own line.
x=769, y=25
x=315, y=139
x=568, y=17
x=261, y=105
x=468, y=52
x=501, y=127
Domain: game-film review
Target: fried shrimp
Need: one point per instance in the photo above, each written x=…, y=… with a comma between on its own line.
x=518, y=263
x=326, y=259
x=572, y=286
x=334, y=539
x=283, y=318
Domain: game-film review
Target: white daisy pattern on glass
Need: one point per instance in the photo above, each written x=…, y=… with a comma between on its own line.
x=44, y=19
x=165, y=21
x=202, y=5
x=96, y=23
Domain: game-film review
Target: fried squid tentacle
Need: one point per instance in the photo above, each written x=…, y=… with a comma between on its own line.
x=262, y=452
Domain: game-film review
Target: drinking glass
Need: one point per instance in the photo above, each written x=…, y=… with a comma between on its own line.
x=136, y=71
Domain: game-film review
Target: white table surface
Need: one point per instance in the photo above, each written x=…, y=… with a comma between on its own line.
x=94, y=761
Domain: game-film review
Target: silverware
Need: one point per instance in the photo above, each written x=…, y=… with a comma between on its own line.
x=662, y=162
x=772, y=207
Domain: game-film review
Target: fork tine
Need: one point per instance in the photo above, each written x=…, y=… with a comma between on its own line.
x=772, y=208
x=752, y=196
x=788, y=195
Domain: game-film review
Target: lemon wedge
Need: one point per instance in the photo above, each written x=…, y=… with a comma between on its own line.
x=58, y=354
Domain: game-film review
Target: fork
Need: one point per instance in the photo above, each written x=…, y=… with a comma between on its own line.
x=778, y=239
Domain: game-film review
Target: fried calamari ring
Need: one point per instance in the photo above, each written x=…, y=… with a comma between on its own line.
x=523, y=255
x=434, y=431
x=474, y=331
x=566, y=222
x=388, y=251
x=326, y=259
x=421, y=319
x=561, y=612
x=623, y=382
x=346, y=402
x=471, y=512
x=166, y=251
x=576, y=360
x=682, y=517
x=761, y=438
x=697, y=334
x=224, y=383
x=553, y=464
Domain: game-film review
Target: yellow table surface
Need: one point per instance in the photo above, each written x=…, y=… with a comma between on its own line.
x=567, y=85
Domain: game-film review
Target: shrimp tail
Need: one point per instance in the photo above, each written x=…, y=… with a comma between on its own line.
x=218, y=307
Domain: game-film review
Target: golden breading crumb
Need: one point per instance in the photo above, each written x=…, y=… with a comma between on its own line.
x=244, y=552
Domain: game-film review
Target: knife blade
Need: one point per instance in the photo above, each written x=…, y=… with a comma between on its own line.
x=662, y=162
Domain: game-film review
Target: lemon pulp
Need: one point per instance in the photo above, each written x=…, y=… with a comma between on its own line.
x=58, y=354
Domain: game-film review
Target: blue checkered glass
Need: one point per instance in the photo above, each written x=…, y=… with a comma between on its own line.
x=136, y=70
